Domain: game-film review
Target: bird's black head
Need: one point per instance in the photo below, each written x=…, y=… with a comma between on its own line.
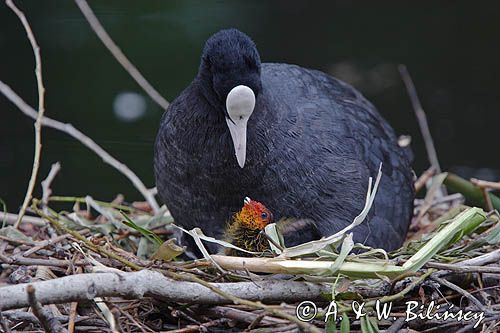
x=229, y=78
x=229, y=59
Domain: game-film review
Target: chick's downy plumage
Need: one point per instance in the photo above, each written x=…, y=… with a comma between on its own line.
x=305, y=147
x=245, y=229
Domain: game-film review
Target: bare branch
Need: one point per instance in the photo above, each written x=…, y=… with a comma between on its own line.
x=80, y=287
x=41, y=109
x=119, y=55
x=485, y=184
x=421, y=117
x=12, y=218
x=424, y=178
x=48, y=322
x=85, y=140
x=46, y=191
x=4, y=324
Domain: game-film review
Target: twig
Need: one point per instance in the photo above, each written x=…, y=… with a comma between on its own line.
x=72, y=311
x=4, y=323
x=256, y=305
x=424, y=178
x=201, y=327
x=255, y=322
x=242, y=316
x=48, y=322
x=46, y=191
x=421, y=117
x=87, y=243
x=21, y=261
x=118, y=54
x=72, y=316
x=41, y=108
x=394, y=328
x=17, y=315
x=146, y=283
x=402, y=293
x=464, y=269
x=85, y=140
x=129, y=317
x=40, y=245
x=485, y=184
x=461, y=291
x=36, y=221
x=491, y=257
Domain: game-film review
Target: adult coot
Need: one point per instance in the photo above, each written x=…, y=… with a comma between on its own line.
x=298, y=140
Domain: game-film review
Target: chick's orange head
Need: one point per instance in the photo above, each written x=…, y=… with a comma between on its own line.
x=254, y=215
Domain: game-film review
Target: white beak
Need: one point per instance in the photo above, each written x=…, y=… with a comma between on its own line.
x=240, y=103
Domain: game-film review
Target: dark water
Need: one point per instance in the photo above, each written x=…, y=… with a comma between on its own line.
x=451, y=49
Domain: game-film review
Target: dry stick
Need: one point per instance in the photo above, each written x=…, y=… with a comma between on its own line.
x=485, y=184
x=48, y=322
x=118, y=54
x=421, y=117
x=461, y=291
x=146, y=283
x=487, y=258
x=422, y=180
x=46, y=191
x=87, y=243
x=85, y=140
x=256, y=305
x=41, y=109
x=4, y=323
x=464, y=269
x=36, y=221
x=399, y=295
x=21, y=261
x=72, y=311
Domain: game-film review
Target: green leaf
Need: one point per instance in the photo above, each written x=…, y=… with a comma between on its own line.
x=345, y=326
x=145, y=232
x=368, y=325
x=168, y=250
x=272, y=231
x=346, y=248
x=463, y=223
x=330, y=326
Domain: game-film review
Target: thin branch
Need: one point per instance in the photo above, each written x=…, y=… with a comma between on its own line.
x=421, y=117
x=4, y=323
x=36, y=221
x=485, y=184
x=256, y=305
x=461, y=291
x=487, y=258
x=146, y=283
x=85, y=140
x=119, y=55
x=48, y=322
x=100, y=249
x=424, y=178
x=46, y=191
x=41, y=109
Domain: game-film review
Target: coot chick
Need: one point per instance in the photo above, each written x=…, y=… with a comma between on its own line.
x=246, y=226
x=296, y=139
x=245, y=229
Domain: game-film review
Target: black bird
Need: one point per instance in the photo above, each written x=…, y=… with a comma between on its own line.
x=298, y=140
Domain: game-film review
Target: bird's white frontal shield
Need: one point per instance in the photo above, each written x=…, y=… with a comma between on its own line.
x=240, y=103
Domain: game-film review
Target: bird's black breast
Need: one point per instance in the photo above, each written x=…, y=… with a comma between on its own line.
x=313, y=142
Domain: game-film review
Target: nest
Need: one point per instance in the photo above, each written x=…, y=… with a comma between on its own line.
x=96, y=268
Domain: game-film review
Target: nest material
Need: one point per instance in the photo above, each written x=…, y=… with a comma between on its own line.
x=190, y=296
